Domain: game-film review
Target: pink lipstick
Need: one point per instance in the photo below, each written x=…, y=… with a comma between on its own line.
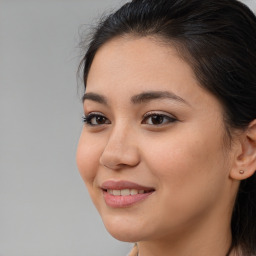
x=118, y=194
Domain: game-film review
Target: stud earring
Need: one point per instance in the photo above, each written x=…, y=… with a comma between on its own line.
x=241, y=171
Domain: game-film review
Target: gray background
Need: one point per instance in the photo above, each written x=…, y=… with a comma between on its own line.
x=44, y=206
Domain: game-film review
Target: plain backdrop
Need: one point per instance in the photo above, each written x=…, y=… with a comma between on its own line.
x=44, y=206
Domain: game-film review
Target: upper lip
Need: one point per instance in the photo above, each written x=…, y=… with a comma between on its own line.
x=123, y=184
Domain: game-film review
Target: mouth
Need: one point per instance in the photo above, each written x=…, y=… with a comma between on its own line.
x=126, y=192
x=118, y=194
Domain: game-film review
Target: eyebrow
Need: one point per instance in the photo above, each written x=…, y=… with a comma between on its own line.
x=145, y=97
x=95, y=97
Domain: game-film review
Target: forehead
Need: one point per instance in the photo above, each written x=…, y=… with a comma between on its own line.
x=124, y=67
x=137, y=61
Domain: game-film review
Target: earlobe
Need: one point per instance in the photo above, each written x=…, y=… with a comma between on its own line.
x=245, y=161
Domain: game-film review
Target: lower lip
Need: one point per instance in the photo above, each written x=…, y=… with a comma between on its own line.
x=124, y=201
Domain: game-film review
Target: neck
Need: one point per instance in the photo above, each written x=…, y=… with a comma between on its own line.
x=209, y=239
x=220, y=248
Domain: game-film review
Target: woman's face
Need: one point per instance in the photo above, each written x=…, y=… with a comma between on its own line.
x=151, y=151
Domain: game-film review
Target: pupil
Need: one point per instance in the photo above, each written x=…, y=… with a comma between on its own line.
x=100, y=119
x=157, y=119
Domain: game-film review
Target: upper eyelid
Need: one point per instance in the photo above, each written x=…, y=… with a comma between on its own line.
x=159, y=112
x=94, y=113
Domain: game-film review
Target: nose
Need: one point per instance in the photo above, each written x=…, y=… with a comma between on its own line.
x=121, y=150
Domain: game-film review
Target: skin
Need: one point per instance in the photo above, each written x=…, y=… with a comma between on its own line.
x=184, y=158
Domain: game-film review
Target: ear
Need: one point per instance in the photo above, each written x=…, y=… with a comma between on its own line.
x=245, y=158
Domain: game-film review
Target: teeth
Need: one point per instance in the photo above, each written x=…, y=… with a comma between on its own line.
x=116, y=192
x=125, y=192
x=134, y=191
x=110, y=191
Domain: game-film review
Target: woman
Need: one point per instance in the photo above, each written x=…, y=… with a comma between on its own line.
x=168, y=149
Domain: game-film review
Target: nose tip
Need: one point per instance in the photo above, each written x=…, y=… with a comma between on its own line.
x=115, y=162
x=118, y=155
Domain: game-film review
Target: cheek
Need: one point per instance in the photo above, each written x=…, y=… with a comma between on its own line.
x=187, y=165
x=185, y=151
x=87, y=157
x=190, y=178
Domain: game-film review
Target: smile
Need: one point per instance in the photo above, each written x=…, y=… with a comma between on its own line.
x=119, y=194
x=125, y=192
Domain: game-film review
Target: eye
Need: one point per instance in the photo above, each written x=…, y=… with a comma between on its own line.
x=95, y=119
x=158, y=119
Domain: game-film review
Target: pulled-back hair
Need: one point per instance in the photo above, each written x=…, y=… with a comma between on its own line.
x=217, y=38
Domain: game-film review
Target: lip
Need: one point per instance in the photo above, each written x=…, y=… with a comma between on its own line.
x=124, y=201
x=123, y=184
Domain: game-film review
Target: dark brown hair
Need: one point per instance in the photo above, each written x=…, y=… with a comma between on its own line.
x=218, y=39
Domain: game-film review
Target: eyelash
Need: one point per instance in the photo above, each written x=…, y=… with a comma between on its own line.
x=87, y=119
x=167, y=118
x=164, y=119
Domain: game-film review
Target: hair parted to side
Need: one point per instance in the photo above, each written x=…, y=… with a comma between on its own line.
x=217, y=38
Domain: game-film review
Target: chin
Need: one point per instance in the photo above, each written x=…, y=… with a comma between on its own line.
x=126, y=232
x=124, y=235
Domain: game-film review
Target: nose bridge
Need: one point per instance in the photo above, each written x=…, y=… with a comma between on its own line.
x=120, y=132
x=121, y=148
